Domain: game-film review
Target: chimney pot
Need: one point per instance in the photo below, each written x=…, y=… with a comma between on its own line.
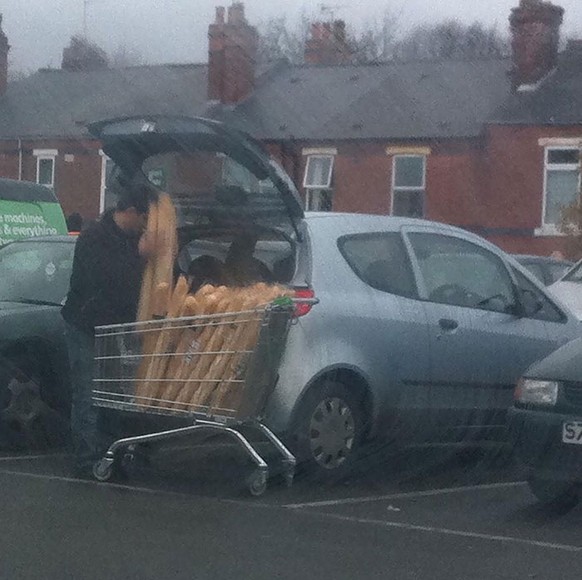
x=236, y=13
x=219, y=15
x=327, y=44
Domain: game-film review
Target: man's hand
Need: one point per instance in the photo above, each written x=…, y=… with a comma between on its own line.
x=146, y=246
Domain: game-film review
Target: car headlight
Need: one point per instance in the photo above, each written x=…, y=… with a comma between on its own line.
x=535, y=392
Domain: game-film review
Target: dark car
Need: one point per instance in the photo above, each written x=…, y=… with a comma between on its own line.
x=544, y=268
x=34, y=387
x=546, y=425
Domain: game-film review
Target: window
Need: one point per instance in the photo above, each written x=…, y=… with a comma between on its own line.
x=408, y=185
x=318, y=200
x=562, y=183
x=460, y=273
x=108, y=196
x=45, y=171
x=317, y=182
x=536, y=304
x=381, y=261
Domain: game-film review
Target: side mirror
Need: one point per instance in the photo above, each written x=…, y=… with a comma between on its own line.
x=530, y=303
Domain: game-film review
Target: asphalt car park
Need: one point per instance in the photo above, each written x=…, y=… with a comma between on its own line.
x=431, y=513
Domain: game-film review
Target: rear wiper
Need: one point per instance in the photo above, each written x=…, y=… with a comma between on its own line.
x=33, y=301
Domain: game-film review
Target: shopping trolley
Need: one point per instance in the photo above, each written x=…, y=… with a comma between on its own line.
x=217, y=371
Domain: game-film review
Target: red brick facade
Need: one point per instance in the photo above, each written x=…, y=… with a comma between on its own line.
x=78, y=168
x=492, y=184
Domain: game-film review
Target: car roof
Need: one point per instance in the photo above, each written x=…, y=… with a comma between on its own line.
x=534, y=258
x=26, y=191
x=69, y=238
x=379, y=221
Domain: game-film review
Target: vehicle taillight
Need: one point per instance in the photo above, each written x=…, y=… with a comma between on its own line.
x=303, y=308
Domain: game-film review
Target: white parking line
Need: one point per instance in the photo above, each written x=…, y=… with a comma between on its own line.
x=94, y=483
x=23, y=457
x=449, y=532
x=407, y=495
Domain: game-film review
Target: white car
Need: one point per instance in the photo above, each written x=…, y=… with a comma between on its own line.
x=568, y=289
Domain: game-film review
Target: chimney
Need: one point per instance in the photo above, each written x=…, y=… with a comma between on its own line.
x=232, y=55
x=535, y=36
x=4, y=48
x=328, y=44
x=83, y=55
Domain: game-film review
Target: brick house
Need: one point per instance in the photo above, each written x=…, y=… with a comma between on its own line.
x=489, y=145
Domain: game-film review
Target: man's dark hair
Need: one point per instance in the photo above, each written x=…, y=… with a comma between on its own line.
x=136, y=196
x=75, y=222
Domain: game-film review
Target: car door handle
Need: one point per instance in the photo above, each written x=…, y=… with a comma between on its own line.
x=448, y=324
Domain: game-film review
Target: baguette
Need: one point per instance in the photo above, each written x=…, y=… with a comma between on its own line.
x=166, y=341
x=144, y=308
x=207, y=342
x=149, y=341
x=217, y=343
x=186, y=346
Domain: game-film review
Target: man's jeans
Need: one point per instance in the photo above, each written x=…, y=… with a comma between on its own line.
x=83, y=415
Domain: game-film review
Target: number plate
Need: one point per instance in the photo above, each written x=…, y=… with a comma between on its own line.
x=572, y=432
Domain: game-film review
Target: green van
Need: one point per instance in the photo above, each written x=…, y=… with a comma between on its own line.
x=28, y=210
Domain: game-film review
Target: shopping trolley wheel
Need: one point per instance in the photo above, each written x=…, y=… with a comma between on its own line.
x=257, y=483
x=103, y=469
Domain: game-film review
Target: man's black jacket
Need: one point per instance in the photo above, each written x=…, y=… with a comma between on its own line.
x=106, y=277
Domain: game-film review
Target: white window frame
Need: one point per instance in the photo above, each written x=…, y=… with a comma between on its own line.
x=311, y=190
x=327, y=184
x=396, y=189
x=549, y=229
x=103, y=187
x=43, y=155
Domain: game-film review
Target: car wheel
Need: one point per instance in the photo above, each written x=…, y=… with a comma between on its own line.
x=329, y=431
x=26, y=421
x=560, y=495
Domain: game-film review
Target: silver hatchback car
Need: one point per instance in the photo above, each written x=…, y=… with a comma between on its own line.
x=420, y=330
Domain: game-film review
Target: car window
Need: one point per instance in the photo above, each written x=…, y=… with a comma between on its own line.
x=557, y=271
x=381, y=261
x=536, y=270
x=460, y=273
x=537, y=305
x=575, y=274
x=35, y=271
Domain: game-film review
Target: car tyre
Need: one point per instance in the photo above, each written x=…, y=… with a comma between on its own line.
x=26, y=421
x=329, y=432
x=559, y=495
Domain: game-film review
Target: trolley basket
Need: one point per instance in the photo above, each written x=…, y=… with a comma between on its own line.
x=217, y=371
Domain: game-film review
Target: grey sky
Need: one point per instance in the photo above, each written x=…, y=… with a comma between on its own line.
x=175, y=30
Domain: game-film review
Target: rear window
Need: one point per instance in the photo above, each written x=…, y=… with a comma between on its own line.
x=204, y=183
x=381, y=261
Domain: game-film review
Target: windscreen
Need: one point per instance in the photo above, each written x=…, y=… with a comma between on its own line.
x=35, y=271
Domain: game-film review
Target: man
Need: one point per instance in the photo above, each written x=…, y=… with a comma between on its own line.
x=75, y=223
x=241, y=266
x=105, y=287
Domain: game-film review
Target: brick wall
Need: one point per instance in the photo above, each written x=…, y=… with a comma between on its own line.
x=514, y=185
x=363, y=178
x=77, y=181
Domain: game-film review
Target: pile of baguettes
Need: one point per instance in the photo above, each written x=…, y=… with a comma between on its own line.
x=193, y=365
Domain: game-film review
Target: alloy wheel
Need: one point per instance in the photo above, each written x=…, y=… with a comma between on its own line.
x=332, y=432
